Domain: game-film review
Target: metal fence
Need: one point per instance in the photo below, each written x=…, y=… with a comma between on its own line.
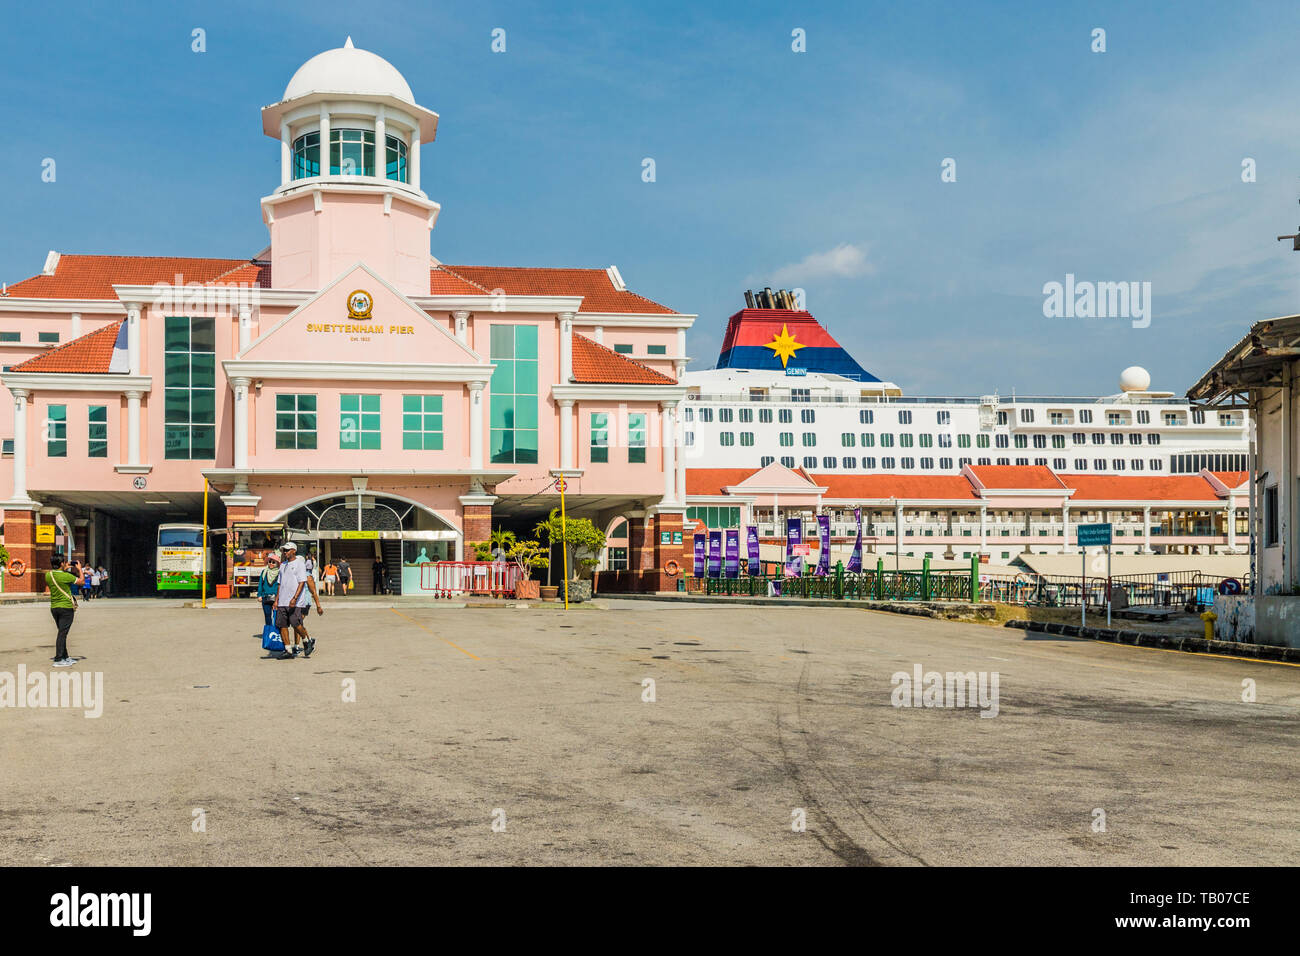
x=1152, y=589
x=869, y=585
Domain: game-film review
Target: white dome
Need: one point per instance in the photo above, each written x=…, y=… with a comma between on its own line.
x=350, y=71
x=1134, y=379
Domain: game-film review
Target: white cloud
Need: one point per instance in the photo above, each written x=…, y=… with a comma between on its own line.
x=845, y=261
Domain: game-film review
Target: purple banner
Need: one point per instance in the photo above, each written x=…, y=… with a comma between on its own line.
x=699, y=554
x=793, y=539
x=824, y=534
x=715, y=554
x=855, y=559
x=733, y=552
x=751, y=539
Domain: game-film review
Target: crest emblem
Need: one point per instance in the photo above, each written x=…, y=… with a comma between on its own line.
x=360, y=304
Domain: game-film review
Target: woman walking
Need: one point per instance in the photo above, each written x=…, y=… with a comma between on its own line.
x=267, y=587
x=331, y=575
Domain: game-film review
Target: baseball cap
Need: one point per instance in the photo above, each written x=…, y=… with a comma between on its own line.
x=288, y=546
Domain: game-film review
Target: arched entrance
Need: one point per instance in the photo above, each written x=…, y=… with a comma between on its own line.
x=384, y=538
x=615, y=556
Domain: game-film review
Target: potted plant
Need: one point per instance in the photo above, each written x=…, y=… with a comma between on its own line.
x=581, y=543
x=526, y=555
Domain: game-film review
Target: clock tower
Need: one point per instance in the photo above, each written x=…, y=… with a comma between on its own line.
x=350, y=133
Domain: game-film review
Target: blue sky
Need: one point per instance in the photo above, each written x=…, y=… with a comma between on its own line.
x=819, y=169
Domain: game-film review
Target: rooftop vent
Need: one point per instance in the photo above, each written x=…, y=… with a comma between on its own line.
x=767, y=299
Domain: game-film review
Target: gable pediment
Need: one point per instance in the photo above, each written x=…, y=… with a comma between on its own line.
x=335, y=326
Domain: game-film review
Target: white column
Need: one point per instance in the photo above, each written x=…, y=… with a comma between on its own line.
x=20, y=443
x=984, y=533
x=413, y=160
x=566, y=433
x=598, y=334
x=1146, y=530
x=476, y=424
x=1232, y=526
x=898, y=529
x=286, y=155
x=1065, y=529
x=324, y=139
x=76, y=324
x=667, y=416
x=681, y=344
x=381, y=145
x=133, y=336
x=566, y=347
x=461, y=317
x=679, y=432
x=240, y=385
x=133, y=427
x=245, y=326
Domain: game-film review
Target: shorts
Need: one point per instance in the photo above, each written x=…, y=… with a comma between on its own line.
x=288, y=617
x=330, y=578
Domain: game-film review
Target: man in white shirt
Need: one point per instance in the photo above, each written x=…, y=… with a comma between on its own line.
x=296, y=591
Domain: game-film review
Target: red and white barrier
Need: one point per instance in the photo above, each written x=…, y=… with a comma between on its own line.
x=454, y=578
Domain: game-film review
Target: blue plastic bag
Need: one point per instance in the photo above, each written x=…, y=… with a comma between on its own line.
x=271, y=640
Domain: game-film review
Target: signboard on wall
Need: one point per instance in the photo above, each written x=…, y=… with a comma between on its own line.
x=45, y=534
x=364, y=535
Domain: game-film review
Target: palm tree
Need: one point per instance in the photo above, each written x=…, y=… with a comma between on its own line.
x=502, y=541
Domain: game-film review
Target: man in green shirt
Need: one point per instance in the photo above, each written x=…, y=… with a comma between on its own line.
x=59, y=580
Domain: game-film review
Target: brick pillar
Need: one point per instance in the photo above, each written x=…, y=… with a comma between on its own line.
x=20, y=542
x=640, y=544
x=668, y=523
x=476, y=523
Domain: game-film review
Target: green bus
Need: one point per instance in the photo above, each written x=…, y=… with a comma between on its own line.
x=179, y=564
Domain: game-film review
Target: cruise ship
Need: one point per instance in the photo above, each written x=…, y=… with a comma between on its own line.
x=788, y=422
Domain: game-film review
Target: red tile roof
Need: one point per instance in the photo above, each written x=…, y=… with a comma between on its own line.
x=711, y=481
x=1233, y=479
x=444, y=282
x=1016, y=476
x=593, y=364
x=93, y=277
x=594, y=285
x=908, y=487
x=1139, y=488
x=88, y=354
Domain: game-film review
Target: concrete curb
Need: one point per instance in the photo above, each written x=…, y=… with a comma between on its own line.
x=1266, y=652
x=942, y=611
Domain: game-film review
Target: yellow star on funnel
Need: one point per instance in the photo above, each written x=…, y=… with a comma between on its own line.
x=784, y=345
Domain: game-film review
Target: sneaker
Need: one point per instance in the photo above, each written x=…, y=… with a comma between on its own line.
x=286, y=655
x=308, y=646
x=66, y=662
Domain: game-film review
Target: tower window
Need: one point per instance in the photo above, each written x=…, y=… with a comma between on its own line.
x=352, y=152
x=395, y=159
x=306, y=156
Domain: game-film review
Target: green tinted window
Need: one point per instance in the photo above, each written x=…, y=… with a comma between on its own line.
x=599, y=437
x=56, y=431
x=359, y=422
x=295, y=421
x=513, y=405
x=422, y=422
x=636, y=438
x=98, y=434
x=189, y=381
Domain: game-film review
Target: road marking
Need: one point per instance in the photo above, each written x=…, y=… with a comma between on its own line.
x=443, y=639
x=1226, y=657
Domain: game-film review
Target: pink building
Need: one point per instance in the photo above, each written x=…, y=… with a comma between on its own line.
x=342, y=380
